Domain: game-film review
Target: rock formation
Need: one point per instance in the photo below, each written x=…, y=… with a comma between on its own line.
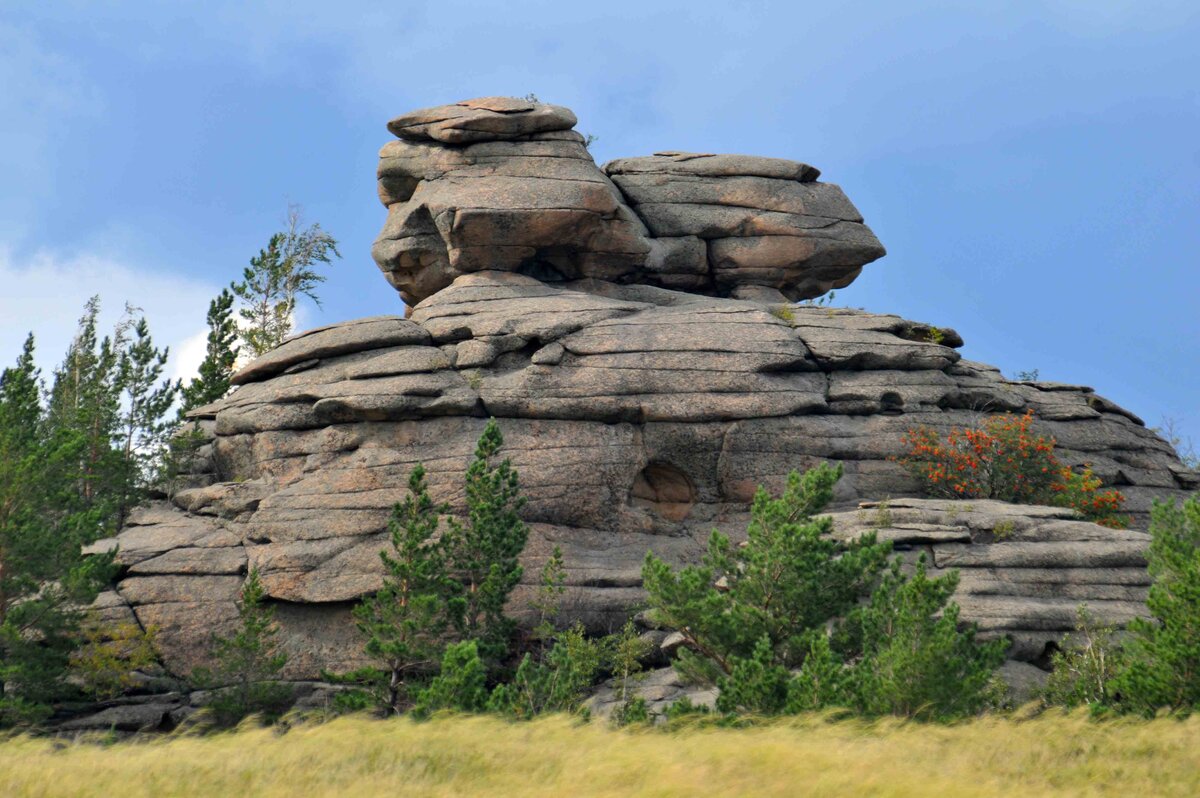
x=629, y=329
x=504, y=184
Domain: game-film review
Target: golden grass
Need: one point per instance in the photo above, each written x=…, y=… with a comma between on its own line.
x=1049, y=755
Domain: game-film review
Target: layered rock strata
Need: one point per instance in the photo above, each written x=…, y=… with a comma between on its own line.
x=638, y=418
x=500, y=183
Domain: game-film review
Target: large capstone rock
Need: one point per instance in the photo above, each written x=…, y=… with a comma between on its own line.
x=509, y=189
x=764, y=222
x=506, y=184
x=638, y=418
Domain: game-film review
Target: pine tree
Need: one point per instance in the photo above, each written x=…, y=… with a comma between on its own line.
x=44, y=579
x=1162, y=658
x=277, y=278
x=443, y=588
x=248, y=663
x=220, y=357
x=144, y=422
x=552, y=584
x=461, y=683
x=556, y=682
x=84, y=408
x=788, y=579
x=483, y=553
x=406, y=622
x=913, y=659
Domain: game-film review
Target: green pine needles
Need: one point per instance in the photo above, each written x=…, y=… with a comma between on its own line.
x=795, y=621
x=245, y=679
x=445, y=581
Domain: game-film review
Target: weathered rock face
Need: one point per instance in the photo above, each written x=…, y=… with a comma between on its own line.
x=759, y=222
x=638, y=418
x=499, y=183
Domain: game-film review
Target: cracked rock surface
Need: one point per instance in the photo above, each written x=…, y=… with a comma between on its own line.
x=638, y=418
x=506, y=184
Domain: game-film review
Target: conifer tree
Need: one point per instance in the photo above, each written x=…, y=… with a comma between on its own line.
x=407, y=620
x=790, y=578
x=84, y=407
x=1161, y=668
x=443, y=586
x=248, y=663
x=144, y=423
x=483, y=553
x=44, y=579
x=220, y=357
x=913, y=659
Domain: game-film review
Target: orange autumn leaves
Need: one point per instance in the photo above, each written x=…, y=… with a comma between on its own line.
x=1003, y=459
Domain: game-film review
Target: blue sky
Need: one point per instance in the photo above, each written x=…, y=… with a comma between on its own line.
x=1033, y=168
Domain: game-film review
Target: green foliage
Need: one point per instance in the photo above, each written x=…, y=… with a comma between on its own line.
x=48, y=509
x=913, y=659
x=821, y=682
x=109, y=654
x=790, y=578
x=1085, y=667
x=625, y=651
x=406, y=622
x=552, y=584
x=1162, y=666
x=632, y=711
x=245, y=678
x=757, y=619
x=277, y=278
x=935, y=335
x=556, y=683
x=683, y=709
x=460, y=685
x=443, y=587
x=756, y=684
x=483, y=553
x=144, y=425
x=823, y=301
x=784, y=313
x=220, y=356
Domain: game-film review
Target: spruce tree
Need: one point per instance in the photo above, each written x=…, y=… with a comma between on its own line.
x=220, y=357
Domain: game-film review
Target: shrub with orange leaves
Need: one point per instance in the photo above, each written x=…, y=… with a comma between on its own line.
x=1004, y=459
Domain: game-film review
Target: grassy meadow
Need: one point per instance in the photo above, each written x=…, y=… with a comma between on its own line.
x=464, y=756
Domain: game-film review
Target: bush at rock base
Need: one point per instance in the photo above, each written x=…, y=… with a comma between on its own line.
x=779, y=624
x=1162, y=668
x=1004, y=459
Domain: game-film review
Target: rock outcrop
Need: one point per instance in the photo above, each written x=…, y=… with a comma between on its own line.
x=639, y=416
x=505, y=184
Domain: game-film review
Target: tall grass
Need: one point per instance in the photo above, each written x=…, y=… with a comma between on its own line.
x=1052, y=754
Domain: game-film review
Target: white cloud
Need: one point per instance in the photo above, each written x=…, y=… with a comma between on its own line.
x=45, y=293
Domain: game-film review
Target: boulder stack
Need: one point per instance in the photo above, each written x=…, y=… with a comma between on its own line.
x=505, y=184
x=628, y=328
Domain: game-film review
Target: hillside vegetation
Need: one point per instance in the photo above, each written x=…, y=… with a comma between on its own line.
x=554, y=756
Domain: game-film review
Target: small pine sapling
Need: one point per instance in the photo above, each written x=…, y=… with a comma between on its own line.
x=248, y=663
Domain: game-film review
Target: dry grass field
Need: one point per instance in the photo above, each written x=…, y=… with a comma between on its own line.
x=466, y=756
